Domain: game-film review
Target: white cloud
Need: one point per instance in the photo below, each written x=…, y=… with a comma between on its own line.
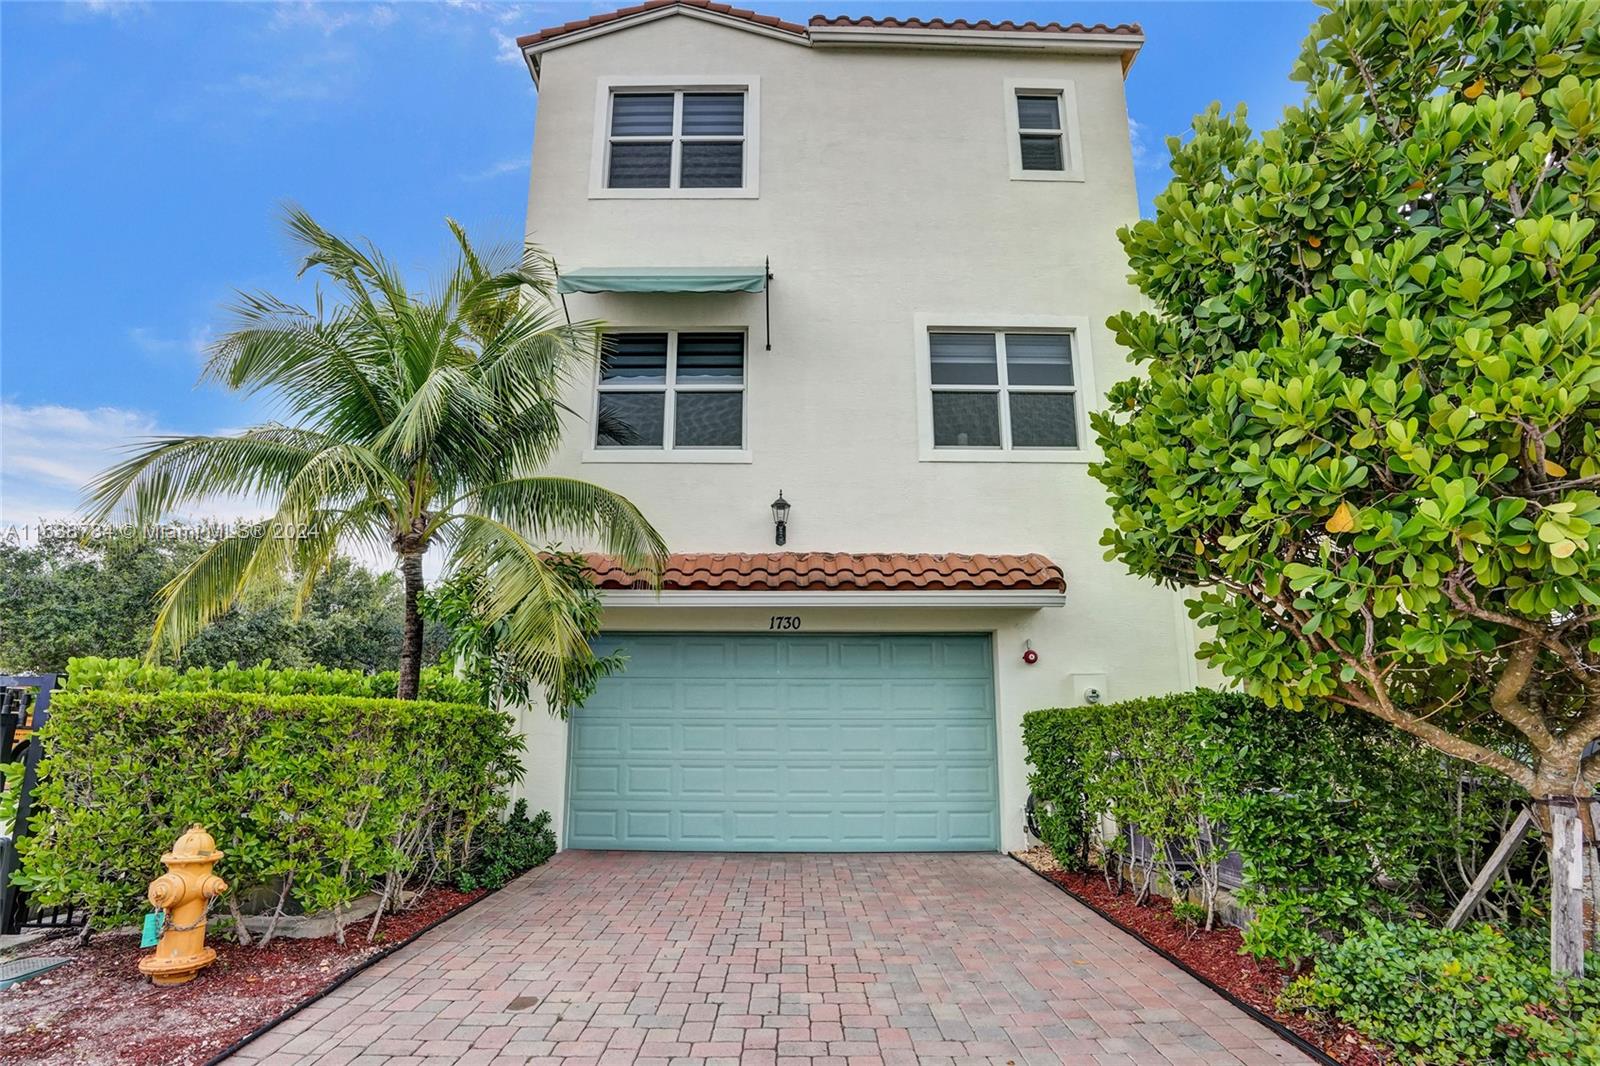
x=50, y=452
x=516, y=165
x=1139, y=140
x=154, y=344
x=329, y=18
x=507, y=50
x=114, y=9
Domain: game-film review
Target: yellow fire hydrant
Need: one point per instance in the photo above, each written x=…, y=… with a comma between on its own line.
x=185, y=893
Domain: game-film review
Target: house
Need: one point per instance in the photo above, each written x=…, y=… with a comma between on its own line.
x=863, y=265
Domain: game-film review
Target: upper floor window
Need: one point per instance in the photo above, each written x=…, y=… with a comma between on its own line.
x=1004, y=389
x=1039, y=125
x=684, y=141
x=671, y=391
x=1042, y=123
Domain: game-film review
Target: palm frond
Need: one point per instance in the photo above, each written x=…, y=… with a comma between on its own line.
x=165, y=473
x=210, y=586
x=550, y=508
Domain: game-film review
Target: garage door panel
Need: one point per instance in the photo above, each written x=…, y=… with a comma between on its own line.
x=703, y=738
x=755, y=830
x=792, y=742
x=756, y=781
x=602, y=739
x=808, y=782
x=704, y=827
x=643, y=780
x=915, y=739
x=648, y=738
x=809, y=739
x=600, y=780
x=757, y=739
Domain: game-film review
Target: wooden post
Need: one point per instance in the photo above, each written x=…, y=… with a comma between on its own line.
x=1567, y=864
x=1491, y=869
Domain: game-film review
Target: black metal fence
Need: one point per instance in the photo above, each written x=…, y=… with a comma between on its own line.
x=24, y=709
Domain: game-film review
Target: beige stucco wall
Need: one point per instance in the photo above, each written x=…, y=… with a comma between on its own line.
x=884, y=194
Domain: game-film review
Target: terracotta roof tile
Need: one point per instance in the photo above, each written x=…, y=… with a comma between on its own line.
x=650, y=5
x=824, y=571
x=776, y=23
x=1007, y=26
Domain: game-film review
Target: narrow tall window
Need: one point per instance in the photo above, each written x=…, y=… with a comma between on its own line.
x=676, y=140
x=1040, y=128
x=671, y=391
x=1003, y=390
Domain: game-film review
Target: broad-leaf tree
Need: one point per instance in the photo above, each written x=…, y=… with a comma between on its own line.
x=411, y=422
x=1368, y=433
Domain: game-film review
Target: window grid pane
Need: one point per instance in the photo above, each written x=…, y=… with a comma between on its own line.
x=708, y=419
x=713, y=114
x=631, y=419
x=963, y=358
x=710, y=358
x=634, y=359
x=701, y=133
x=966, y=419
x=640, y=165
x=1043, y=420
x=1039, y=359
x=711, y=165
x=1041, y=152
x=641, y=115
x=1038, y=112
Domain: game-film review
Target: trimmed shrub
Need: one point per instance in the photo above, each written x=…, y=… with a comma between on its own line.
x=1334, y=815
x=136, y=675
x=326, y=797
x=509, y=848
x=1440, y=997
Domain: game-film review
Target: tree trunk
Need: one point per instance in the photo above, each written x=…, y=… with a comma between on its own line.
x=411, y=633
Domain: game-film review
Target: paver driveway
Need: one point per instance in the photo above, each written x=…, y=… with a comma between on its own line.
x=633, y=957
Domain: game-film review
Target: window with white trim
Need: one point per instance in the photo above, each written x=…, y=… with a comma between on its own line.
x=1042, y=130
x=677, y=139
x=1003, y=390
x=671, y=390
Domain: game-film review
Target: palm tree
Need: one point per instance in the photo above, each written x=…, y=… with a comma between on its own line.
x=409, y=422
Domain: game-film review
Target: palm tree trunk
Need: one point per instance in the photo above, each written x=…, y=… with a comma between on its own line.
x=411, y=633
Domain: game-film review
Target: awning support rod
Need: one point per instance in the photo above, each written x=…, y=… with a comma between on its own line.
x=557, y=268
x=768, y=292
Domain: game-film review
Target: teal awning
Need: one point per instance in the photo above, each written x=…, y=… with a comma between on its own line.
x=664, y=279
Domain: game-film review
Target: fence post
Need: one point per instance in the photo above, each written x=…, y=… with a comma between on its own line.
x=11, y=901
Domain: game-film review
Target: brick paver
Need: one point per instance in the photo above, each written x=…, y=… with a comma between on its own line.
x=656, y=959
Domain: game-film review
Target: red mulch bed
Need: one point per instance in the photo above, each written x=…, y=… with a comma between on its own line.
x=98, y=1008
x=1217, y=955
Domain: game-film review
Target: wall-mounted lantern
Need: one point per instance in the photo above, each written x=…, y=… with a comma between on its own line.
x=780, y=517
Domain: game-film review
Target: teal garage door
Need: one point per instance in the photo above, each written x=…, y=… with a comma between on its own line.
x=788, y=743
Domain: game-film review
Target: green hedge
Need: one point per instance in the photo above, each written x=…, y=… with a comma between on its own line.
x=1454, y=997
x=136, y=675
x=1335, y=815
x=327, y=797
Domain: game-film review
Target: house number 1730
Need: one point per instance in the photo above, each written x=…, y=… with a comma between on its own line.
x=784, y=621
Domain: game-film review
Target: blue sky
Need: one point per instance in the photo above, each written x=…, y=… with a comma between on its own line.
x=147, y=148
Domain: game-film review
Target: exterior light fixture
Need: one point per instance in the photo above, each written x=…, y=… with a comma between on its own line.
x=780, y=517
